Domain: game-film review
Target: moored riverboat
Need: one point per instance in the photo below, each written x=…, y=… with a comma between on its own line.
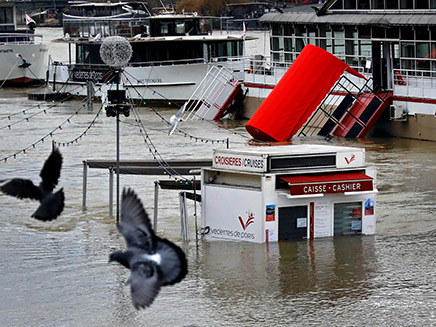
x=170, y=57
x=24, y=60
x=390, y=43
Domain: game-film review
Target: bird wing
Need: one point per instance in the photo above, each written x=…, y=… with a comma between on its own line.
x=173, y=266
x=51, y=206
x=51, y=171
x=144, y=284
x=135, y=225
x=21, y=188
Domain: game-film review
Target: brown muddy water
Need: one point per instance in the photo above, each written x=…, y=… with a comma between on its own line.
x=57, y=273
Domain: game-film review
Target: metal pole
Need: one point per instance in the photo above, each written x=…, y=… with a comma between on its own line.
x=195, y=212
x=183, y=217
x=111, y=192
x=85, y=179
x=118, y=166
x=89, y=94
x=156, y=201
x=118, y=154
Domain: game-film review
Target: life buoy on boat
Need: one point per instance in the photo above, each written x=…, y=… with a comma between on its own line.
x=195, y=13
x=398, y=79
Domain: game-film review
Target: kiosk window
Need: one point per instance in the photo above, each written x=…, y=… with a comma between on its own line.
x=348, y=218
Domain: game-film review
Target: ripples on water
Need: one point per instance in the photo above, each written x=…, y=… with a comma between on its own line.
x=57, y=274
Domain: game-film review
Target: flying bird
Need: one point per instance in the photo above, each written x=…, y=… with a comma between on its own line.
x=153, y=261
x=51, y=204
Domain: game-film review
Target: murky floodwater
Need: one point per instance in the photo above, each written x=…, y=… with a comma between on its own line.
x=57, y=274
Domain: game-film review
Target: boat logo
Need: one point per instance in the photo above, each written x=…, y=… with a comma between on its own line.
x=249, y=221
x=352, y=158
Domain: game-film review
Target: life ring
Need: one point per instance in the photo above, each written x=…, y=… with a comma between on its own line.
x=195, y=13
x=398, y=79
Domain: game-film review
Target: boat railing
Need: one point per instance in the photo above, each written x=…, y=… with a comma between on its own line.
x=414, y=78
x=144, y=64
x=256, y=69
x=414, y=83
x=18, y=38
x=168, y=62
x=84, y=28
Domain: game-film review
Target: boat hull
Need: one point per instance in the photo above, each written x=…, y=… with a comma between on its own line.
x=151, y=83
x=11, y=58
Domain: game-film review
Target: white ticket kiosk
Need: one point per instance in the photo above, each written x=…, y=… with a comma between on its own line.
x=275, y=193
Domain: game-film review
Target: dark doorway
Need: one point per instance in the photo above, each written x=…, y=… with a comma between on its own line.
x=292, y=223
x=383, y=61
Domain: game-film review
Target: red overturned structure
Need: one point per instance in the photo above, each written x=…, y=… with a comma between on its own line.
x=297, y=95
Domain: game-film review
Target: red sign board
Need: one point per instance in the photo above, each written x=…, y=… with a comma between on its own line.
x=333, y=183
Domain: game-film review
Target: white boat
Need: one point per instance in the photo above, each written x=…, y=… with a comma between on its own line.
x=23, y=59
x=106, y=10
x=171, y=53
x=393, y=45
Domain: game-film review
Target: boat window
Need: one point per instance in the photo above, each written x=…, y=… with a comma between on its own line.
x=205, y=26
x=363, y=4
x=206, y=52
x=407, y=33
x=407, y=4
x=88, y=54
x=164, y=28
x=6, y=16
x=378, y=4
x=338, y=42
x=421, y=4
x=180, y=28
x=391, y=4
x=350, y=4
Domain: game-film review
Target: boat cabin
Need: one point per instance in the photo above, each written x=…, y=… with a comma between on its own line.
x=163, y=39
x=277, y=193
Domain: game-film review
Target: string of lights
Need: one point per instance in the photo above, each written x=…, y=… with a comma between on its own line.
x=78, y=138
x=30, y=109
x=92, y=123
x=28, y=117
x=168, y=170
x=42, y=139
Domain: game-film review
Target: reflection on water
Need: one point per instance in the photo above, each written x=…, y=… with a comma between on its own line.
x=57, y=273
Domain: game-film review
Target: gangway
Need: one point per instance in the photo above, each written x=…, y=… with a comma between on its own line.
x=212, y=98
x=347, y=111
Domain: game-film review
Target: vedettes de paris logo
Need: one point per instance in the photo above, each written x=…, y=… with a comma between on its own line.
x=352, y=158
x=250, y=220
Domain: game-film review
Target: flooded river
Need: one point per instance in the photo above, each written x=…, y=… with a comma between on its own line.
x=57, y=273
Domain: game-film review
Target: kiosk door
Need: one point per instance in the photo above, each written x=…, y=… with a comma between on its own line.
x=292, y=223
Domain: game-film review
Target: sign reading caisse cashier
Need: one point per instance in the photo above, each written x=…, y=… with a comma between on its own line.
x=233, y=161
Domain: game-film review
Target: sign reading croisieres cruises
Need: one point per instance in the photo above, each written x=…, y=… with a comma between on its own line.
x=234, y=161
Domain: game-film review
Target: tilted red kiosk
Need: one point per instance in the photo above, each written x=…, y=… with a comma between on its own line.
x=296, y=96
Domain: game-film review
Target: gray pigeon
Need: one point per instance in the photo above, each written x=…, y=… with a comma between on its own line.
x=51, y=204
x=153, y=262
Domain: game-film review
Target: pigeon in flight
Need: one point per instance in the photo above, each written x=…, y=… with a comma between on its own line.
x=153, y=262
x=51, y=204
